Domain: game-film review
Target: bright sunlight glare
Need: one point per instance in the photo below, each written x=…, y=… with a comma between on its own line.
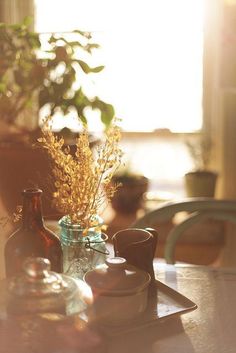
x=152, y=52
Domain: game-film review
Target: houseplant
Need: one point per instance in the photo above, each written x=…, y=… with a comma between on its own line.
x=32, y=78
x=201, y=181
x=36, y=74
x=82, y=187
x=129, y=196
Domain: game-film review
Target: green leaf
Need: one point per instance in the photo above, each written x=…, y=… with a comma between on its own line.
x=34, y=40
x=93, y=45
x=80, y=100
x=28, y=20
x=107, y=111
x=3, y=87
x=75, y=44
x=90, y=46
x=87, y=69
x=83, y=119
x=83, y=33
x=98, y=69
x=16, y=27
x=107, y=114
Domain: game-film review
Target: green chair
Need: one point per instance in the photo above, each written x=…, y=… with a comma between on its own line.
x=198, y=209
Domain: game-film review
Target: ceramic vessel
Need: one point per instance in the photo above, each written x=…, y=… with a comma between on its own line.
x=120, y=291
x=129, y=196
x=200, y=183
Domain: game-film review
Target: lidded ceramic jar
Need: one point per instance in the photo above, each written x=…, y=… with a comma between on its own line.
x=120, y=291
x=39, y=290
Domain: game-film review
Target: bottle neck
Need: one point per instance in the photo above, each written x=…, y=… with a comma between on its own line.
x=32, y=209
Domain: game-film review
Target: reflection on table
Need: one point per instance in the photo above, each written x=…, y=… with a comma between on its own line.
x=208, y=329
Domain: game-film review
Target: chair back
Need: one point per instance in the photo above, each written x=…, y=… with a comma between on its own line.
x=198, y=209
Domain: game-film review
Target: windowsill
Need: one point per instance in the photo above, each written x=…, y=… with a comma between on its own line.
x=162, y=156
x=158, y=133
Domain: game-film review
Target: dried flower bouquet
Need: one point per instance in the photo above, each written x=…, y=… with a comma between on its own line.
x=83, y=181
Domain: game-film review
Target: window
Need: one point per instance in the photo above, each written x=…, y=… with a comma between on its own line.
x=152, y=52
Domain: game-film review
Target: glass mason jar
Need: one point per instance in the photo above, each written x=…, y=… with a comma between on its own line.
x=81, y=253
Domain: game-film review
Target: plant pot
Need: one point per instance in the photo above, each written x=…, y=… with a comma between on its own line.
x=22, y=167
x=129, y=196
x=200, y=183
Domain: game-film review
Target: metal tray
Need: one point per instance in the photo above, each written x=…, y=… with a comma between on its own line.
x=165, y=303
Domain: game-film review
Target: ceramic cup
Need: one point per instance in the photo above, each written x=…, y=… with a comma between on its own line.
x=120, y=291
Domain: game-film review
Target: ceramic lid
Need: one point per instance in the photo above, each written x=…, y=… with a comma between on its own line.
x=117, y=278
x=38, y=281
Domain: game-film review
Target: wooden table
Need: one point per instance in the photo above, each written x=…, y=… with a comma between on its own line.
x=208, y=329
x=211, y=328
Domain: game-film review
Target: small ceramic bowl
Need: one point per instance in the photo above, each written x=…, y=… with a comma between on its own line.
x=120, y=291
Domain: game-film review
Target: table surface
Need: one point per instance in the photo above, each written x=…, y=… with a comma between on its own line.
x=208, y=329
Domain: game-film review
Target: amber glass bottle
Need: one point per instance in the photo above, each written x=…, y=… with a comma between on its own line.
x=32, y=239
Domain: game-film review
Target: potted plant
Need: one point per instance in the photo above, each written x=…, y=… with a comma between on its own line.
x=32, y=78
x=201, y=181
x=35, y=74
x=132, y=187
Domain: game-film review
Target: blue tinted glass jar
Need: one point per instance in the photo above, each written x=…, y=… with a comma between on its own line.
x=81, y=253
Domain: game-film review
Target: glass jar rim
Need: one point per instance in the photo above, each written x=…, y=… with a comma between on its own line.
x=66, y=223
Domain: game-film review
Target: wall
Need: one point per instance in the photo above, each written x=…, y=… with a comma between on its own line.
x=223, y=110
x=14, y=11
x=11, y=11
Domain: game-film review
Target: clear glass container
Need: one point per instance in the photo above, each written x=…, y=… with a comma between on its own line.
x=39, y=290
x=82, y=253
